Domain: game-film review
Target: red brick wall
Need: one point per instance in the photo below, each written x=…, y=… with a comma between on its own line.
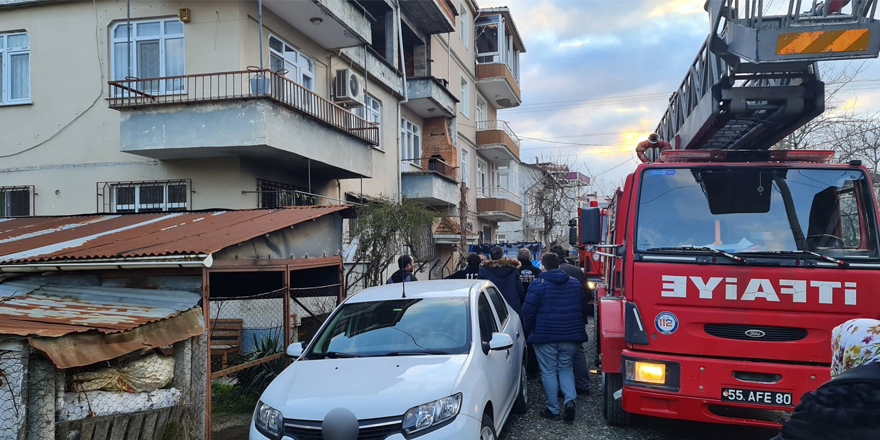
x=436, y=141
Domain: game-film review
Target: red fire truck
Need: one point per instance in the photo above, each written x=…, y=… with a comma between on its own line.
x=728, y=263
x=588, y=256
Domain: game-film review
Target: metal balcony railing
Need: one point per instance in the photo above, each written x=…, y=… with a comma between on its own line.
x=499, y=125
x=248, y=84
x=429, y=164
x=498, y=193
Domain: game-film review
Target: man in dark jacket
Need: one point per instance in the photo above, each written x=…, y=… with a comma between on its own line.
x=471, y=271
x=504, y=272
x=553, y=318
x=527, y=270
x=405, y=263
x=581, y=370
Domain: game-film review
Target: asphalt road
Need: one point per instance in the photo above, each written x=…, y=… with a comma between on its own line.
x=590, y=424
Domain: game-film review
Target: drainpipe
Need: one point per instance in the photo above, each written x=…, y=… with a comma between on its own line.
x=260, y=6
x=128, y=28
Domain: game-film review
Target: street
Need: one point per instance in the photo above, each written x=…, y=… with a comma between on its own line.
x=590, y=425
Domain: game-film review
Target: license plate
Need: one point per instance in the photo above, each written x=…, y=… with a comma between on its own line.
x=756, y=397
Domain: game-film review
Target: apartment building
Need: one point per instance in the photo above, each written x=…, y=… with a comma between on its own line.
x=173, y=106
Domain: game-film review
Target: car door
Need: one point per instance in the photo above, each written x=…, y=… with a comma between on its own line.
x=496, y=363
x=514, y=354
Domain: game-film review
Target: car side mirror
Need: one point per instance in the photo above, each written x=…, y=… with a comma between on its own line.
x=500, y=341
x=295, y=350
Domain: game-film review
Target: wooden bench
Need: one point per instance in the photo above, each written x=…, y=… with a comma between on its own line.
x=225, y=338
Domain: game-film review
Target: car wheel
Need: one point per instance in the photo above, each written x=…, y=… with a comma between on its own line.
x=487, y=431
x=613, y=408
x=521, y=405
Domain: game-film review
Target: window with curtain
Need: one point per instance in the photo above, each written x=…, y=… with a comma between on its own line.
x=156, y=51
x=15, y=68
x=465, y=98
x=410, y=140
x=150, y=196
x=372, y=112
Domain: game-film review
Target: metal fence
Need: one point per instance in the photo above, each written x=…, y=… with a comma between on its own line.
x=248, y=84
x=429, y=164
x=499, y=125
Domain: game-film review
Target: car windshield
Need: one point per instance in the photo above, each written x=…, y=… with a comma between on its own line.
x=396, y=328
x=743, y=210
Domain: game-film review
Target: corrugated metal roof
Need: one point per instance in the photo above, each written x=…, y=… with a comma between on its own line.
x=34, y=308
x=34, y=239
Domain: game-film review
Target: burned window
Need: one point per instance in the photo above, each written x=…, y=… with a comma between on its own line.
x=276, y=195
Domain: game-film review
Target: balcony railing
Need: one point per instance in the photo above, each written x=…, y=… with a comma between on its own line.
x=429, y=164
x=498, y=193
x=248, y=84
x=499, y=125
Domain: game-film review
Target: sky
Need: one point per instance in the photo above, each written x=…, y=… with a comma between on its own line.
x=597, y=75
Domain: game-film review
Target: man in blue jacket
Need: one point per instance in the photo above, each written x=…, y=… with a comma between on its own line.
x=553, y=315
x=504, y=272
x=471, y=271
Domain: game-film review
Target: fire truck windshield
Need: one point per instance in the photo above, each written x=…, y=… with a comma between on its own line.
x=758, y=209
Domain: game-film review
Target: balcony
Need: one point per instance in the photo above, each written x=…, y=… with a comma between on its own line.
x=498, y=84
x=496, y=141
x=499, y=204
x=431, y=16
x=429, y=97
x=257, y=114
x=430, y=181
x=342, y=24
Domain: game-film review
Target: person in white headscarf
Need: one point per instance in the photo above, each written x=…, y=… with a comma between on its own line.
x=847, y=406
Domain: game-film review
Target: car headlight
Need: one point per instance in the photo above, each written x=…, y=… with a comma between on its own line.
x=268, y=421
x=591, y=284
x=430, y=414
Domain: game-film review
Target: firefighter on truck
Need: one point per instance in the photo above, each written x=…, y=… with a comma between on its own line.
x=724, y=275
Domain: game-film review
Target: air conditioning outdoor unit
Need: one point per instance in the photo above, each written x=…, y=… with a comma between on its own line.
x=349, y=88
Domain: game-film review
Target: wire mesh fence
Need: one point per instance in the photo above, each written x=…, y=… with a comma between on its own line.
x=149, y=394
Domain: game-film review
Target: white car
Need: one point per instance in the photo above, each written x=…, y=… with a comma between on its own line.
x=444, y=360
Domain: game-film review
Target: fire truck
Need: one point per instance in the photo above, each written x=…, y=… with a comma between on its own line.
x=726, y=262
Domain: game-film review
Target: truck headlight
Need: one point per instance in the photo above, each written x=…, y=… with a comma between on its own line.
x=430, y=414
x=268, y=421
x=646, y=372
x=591, y=284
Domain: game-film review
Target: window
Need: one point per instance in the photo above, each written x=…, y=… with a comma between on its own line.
x=465, y=104
x=15, y=68
x=465, y=166
x=495, y=44
x=500, y=304
x=153, y=196
x=410, y=140
x=156, y=51
x=482, y=176
x=372, y=112
x=276, y=195
x=463, y=25
x=488, y=325
x=481, y=110
x=295, y=66
x=15, y=201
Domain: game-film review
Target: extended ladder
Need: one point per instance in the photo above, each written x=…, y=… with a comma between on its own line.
x=754, y=80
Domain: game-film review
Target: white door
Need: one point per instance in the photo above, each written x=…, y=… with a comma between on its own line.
x=495, y=362
x=512, y=371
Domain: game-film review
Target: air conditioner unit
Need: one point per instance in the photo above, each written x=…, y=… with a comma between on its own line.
x=349, y=88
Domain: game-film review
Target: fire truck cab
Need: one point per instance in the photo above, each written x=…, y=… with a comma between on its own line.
x=725, y=272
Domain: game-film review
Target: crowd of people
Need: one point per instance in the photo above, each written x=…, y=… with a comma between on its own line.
x=552, y=303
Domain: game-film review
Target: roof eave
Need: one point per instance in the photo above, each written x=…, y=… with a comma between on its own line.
x=151, y=262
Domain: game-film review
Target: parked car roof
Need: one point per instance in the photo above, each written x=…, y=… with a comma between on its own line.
x=419, y=289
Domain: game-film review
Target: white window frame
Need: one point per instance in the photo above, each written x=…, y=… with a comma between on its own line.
x=6, y=205
x=371, y=113
x=138, y=206
x=162, y=38
x=482, y=175
x=304, y=67
x=410, y=141
x=6, y=53
x=482, y=109
x=464, y=105
x=464, y=22
x=465, y=166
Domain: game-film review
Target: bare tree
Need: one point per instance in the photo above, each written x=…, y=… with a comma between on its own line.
x=552, y=200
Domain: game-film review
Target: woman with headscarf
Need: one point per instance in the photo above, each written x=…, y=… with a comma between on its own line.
x=847, y=406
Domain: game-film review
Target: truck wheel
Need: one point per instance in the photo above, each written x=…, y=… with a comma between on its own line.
x=613, y=408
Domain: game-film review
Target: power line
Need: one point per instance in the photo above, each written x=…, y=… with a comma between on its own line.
x=594, y=104
x=612, y=97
